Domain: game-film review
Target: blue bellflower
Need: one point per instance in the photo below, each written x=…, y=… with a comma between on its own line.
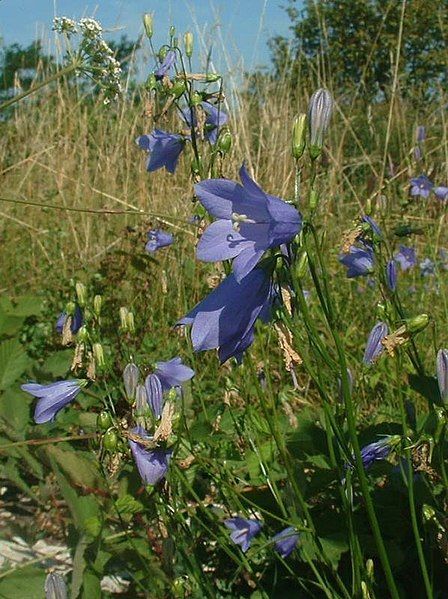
x=158, y=239
x=373, y=225
x=391, y=275
x=214, y=120
x=427, y=267
x=406, y=257
x=166, y=65
x=53, y=397
x=152, y=464
x=249, y=222
x=379, y=450
x=166, y=376
x=76, y=321
x=374, y=346
x=441, y=192
x=359, y=261
x=420, y=133
x=164, y=149
x=226, y=318
x=421, y=186
x=286, y=541
x=243, y=530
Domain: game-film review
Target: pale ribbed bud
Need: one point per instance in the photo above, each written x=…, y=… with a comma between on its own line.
x=55, y=587
x=188, y=43
x=148, y=23
x=131, y=374
x=319, y=114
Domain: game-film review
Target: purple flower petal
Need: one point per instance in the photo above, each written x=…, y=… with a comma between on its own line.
x=243, y=530
x=286, y=541
x=154, y=394
x=52, y=397
x=173, y=373
x=152, y=464
x=374, y=346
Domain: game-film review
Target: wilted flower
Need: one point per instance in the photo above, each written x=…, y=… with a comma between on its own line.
x=421, y=186
x=441, y=192
x=442, y=373
x=166, y=376
x=164, y=148
x=226, y=318
x=379, y=450
x=158, y=239
x=243, y=530
x=427, y=267
x=152, y=464
x=131, y=374
x=166, y=65
x=285, y=541
x=374, y=346
x=319, y=114
x=55, y=587
x=391, y=275
x=249, y=222
x=76, y=321
x=406, y=257
x=359, y=261
x=53, y=397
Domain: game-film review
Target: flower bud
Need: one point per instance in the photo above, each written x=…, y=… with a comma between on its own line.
x=225, y=142
x=442, y=373
x=55, y=587
x=83, y=335
x=141, y=401
x=130, y=322
x=104, y=420
x=98, y=354
x=81, y=294
x=151, y=82
x=417, y=324
x=172, y=31
x=110, y=440
x=314, y=199
x=196, y=98
x=301, y=265
x=148, y=23
x=97, y=304
x=374, y=346
x=188, y=43
x=131, y=374
x=212, y=77
x=298, y=136
x=370, y=569
x=420, y=134
x=319, y=114
x=162, y=53
x=391, y=275
x=178, y=88
x=124, y=318
x=428, y=513
x=70, y=308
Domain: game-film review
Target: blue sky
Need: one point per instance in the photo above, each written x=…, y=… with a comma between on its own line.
x=241, y=26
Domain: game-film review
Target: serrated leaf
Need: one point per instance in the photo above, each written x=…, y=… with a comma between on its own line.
x=13, y=362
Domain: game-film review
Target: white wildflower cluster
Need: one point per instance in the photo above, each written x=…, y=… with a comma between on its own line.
x=99, y=62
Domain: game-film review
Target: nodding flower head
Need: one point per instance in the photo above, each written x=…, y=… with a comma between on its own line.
x=286, y=541
x=164, y=149
x=441, y=192
x=379, y=450
x=391, y=275
x=359, y=260
x=374, y=345
x=166, y=65
x=243, y=530
x=166, y=376
x=158, y=239
x=53, y=397
x=152, y=464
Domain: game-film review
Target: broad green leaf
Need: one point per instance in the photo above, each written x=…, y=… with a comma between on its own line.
x=78, y=466
x=58, y=363
x=24, y=583
x=13, y=362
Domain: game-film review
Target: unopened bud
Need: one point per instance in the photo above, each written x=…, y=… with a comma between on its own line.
x=319, y=114
x=104, y=420
x=365, y=590
x=188, y=43
x=124, y=318
x=131, y=374
x=302, y=265
x=55, y=587
x=225, y=142
x=110, y=440
x=196, y=99
x=298, y=136
x=148, y=23
x=417, y=324
x=314, y=199
x=212, y=77
x=370, y=569
x=162, y=53
x=151, y=82
x=98, y=354
x=178, y=88
x=81, y=294
x=70, y=308
x=82, y=335
x=97, y=304
x=130, y=322
x=442, y=373
x=172, y=31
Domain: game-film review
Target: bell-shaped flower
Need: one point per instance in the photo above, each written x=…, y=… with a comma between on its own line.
x=55, y=587
x=379, y=450
x=166, y=65
x=374, y=345
x=359, y=261
x=442, y=373
x=53, y=397
x=286, y=541
x=166, y=376
x=441, y=192
x=131, y=374
x=249, y=222
x=152, y=464
x=214, y=120
x=76, y=321
x=421, y=186
x=243, y=530
x=164, y=149
x=225, y=319
x=406, y=257
x=158, y=239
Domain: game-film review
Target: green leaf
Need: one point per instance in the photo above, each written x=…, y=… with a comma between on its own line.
x=128, y=505
x=58, y=363
x=24, y=583
x=13, y=362
x=15, y=412
x=78, y=466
